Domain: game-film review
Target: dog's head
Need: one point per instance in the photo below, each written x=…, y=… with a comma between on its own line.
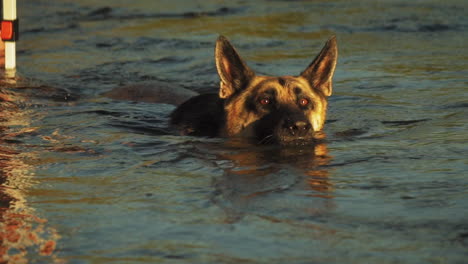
x=285, y=109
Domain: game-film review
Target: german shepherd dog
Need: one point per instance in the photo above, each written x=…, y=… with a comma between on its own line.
x=285, y=110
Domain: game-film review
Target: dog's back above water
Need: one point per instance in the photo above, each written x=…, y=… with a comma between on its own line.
x=266, y=109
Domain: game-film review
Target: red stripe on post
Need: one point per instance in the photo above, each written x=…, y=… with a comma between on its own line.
x=7, y=30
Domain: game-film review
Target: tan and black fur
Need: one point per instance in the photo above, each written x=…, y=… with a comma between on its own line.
x=284, y=109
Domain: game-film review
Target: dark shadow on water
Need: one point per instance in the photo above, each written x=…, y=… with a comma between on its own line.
x=106, y=13
x=404, y=122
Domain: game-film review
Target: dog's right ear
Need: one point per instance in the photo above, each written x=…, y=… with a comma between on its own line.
x=235, y=75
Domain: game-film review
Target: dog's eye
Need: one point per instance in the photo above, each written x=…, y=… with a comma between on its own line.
x=265, y=101
x=303, y=102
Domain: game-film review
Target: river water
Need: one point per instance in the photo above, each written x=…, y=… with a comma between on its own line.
x=89, y=179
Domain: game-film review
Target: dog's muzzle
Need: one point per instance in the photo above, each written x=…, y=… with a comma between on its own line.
x=294, y=131
x=297, y=129
x=284, y=128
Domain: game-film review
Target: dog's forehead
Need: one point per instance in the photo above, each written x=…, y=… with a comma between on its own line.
x=283, y=84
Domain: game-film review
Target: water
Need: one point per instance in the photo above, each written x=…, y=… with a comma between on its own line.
x=88, y=179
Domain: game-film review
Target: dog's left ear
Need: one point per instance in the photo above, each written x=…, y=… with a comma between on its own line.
x=320, y=72
x=235, y=75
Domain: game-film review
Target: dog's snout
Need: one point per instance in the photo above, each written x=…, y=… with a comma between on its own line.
x=301, y=125
x=297, y=128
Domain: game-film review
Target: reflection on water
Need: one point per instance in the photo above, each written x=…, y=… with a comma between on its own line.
x=255, y=172
x=22, y=232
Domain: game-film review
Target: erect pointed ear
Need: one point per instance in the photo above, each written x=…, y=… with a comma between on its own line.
x=232, y=70
x=320, y=72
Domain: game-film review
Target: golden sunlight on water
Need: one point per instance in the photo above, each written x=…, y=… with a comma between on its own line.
x=264, y=26
x=21, y=231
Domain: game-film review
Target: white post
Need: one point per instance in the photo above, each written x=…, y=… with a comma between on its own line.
x=9, y=13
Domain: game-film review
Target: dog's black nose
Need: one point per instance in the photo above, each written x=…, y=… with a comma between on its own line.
x=299, y=128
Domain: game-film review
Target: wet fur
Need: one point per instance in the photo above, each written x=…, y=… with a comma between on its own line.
x=284, y=109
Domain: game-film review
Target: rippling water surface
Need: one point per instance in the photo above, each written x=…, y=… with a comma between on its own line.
x=89, y=179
